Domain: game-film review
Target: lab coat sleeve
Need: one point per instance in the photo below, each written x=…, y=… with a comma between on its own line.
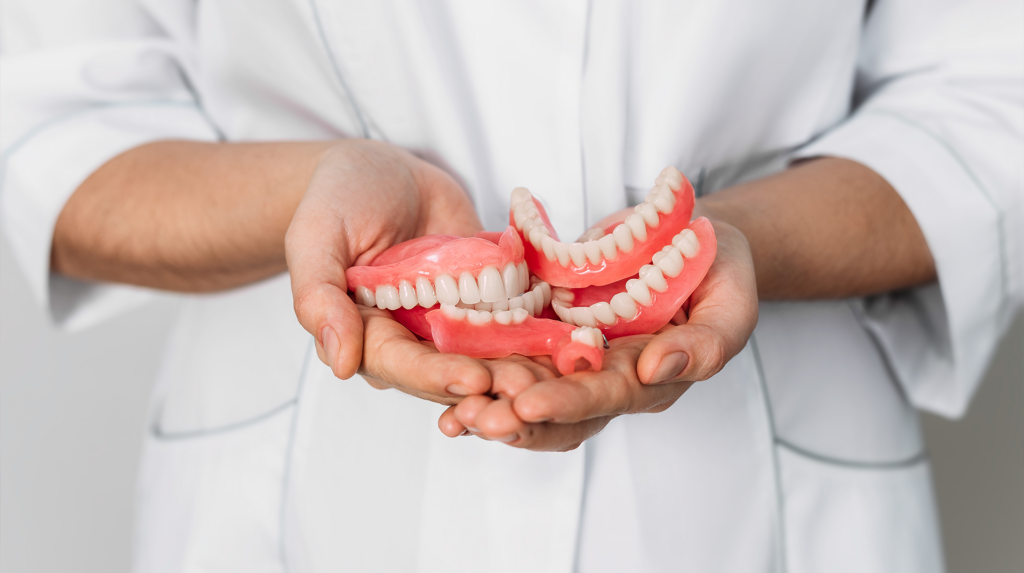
x=941, y=117
x=82, y=83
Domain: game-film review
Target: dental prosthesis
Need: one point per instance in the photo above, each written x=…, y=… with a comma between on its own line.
x=525, y=292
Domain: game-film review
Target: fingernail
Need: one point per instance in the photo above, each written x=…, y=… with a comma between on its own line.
x=329, y=340
x=509, y=438
x=465, y=433
x=671, y=366
x=457, y=389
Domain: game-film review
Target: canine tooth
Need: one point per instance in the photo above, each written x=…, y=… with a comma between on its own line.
x=637, y=289
x=582, y=316
x=536, y=236
x=624, y=305
x=538, y=299
x=603, y=312
x=623, y=237
x=364, y=296
x=563, y=313
x=577, y=254
x=670, y=263
x=529, y=303
x=687, y=243
x=546, y=288
x=425, y=293
x=447, y=289
x=453, y=311
x=387, y=297
x=521, y=195
x=478, y=317
x=563, y=295
x=524, y=276
x=547, y=244
x=468, y=291
x=510, y=279
x=519, y=315
x=637, y=225
x=503, y=317
x=562, y=252
x=608, y=247
x=500, y=305
x=593, y=251
x=649, y=213
x=407, y=295
x=491, y=288
x=515, y=302
x=663, y=199
x=485, y=306
x=654, y=278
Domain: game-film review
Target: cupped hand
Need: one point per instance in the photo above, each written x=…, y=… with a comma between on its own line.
x=640, y=373
x=364, y=197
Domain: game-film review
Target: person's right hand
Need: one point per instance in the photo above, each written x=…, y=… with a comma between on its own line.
x=364, y=197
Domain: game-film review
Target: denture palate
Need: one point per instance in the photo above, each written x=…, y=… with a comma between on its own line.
x=668, y=262
x=595, y=244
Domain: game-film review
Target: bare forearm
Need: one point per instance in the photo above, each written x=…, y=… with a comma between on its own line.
x=186, y=216
x=826, y=228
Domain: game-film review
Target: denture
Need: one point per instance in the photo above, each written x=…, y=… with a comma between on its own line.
x=525, y=292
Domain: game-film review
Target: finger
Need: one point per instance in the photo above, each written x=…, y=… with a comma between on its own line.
x=449, y=425
x=551, y=437
x=496, y=421
x=510, y=376
x=394, y=356
x=467, y=411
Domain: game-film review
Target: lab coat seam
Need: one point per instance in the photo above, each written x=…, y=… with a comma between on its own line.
x=288, y=456
x=46, y=124
x=916, y=459
x=780, y=519
x=161, y=435
x=336, y=66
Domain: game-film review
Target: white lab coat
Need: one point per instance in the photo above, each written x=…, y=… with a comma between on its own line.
x=803, y=455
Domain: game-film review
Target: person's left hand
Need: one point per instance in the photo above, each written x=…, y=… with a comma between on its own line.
x=644, y=373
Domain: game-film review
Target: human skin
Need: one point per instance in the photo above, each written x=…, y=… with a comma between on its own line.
x=199, y=217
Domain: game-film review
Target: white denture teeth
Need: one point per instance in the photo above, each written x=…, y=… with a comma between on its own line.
x=608, y=247
x=687, y=243
x=548, y=246
x=529, y=303
x=387, y=298
x=669, y=261
x=516, y=302
x=537, y=235
x=469, y=292
x=519, y=315
x=365, y=297
x=562, y=311
x=478, y=317
x=541, y=298
x=593, y=251
x=624, y=305
x=662, y=198
x=649, y=213
x=453, y=311
x=623, y=237
x=638, y=226
x=500, y=305
x=562, y=295
x=637, y=289
x=604, y=313
x=591, y=235
x=588, y=335
x=654, y=278
x=671, y=177
x=491, y=287
x=447, y=289
x=524, y=277
x=485, y=306
x=407, y=295
x=503, y=317
x=581, y=316
x=425, y=293
x=510, y=279
x=466, y=306
x=577, y=254
x=562, y=253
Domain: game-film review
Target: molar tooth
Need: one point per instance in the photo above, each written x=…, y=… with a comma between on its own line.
x=562, y=294
x=519, y=216
x=469, y=292
x=453, y=311
x=624, y=305
x=528, y=226
x=608, y=247
x=593, y=251
x=582, y=316
x=521, y=195
x=637, y=289
x=536, y=237
x=547, y=244
x=519, y=315
x=524, y=277
x=425, y=293
x=623, y=237
x=478, y=317
x=529, y=303
x=576, y=253
x=663, y=199
x=562, y=252
x=387, y=297
x=637, y=225
x=687, y=243
x=447, y=289
x=603, y=312
x=503, y=317
x=654, y=278
x=649, y=213
x=515, y=302
x=500, y=305
x=588, y=335
x=407, y=295
x=484, y=306
x=670, y=263
x=364, y=296
x=510, y=278
x=491, y=289
x=671, y=177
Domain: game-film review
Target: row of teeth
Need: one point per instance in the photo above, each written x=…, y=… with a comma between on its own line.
x=586, y=335
x=667, y=263
x=596, y=245
x=490, y=286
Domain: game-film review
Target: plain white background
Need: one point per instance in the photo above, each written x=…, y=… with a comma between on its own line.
x=73, y=409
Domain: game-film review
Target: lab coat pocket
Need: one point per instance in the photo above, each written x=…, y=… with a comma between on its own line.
x=841, y=516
